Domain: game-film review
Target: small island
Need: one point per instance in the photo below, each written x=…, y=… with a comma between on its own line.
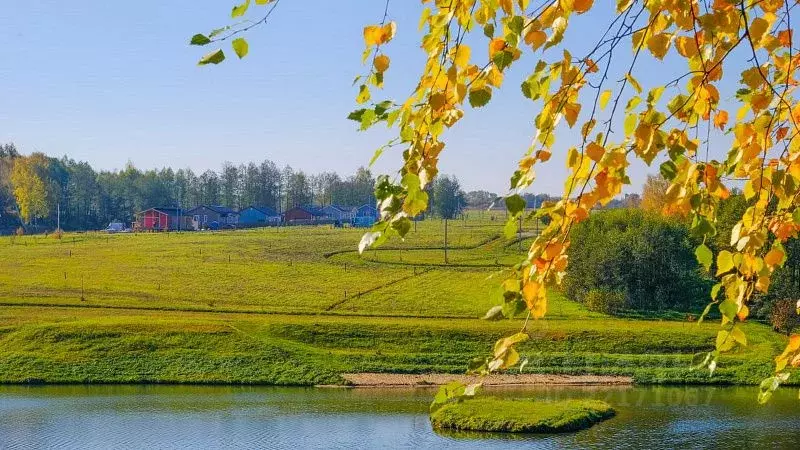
x=521, y=416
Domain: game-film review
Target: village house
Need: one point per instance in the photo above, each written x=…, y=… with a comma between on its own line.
x=365, y=215
x=258, y=215
x=303, y=214
x=212, y=217
x=161, y=219
x=338, y=213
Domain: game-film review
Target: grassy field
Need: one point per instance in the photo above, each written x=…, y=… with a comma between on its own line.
x=299, y=306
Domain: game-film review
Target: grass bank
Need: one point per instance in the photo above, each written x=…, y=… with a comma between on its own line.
x=292, y=307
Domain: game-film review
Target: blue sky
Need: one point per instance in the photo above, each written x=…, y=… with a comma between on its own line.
x=108, y=82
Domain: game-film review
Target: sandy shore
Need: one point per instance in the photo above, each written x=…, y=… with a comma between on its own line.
x=405, y=380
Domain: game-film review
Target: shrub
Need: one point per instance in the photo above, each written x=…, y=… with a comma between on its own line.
x=605, y=301
x=20, y=231
x=644, y=257
x=783, y=315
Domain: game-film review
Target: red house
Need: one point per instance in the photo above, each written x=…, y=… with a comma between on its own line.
x=303, y=214
x=161, y=219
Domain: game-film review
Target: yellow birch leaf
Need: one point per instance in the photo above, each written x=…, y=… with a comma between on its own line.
x=381, y=63
x=686, y=46
x=581, y=6
x=571, y=111
x=635, y=84
x=659, y=44
x=595, y=152
x=463, y=53
x=605, y=96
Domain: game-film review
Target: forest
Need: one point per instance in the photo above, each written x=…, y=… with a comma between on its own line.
x=35, y=187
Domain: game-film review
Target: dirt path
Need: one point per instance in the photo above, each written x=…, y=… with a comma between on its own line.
x=398, y=380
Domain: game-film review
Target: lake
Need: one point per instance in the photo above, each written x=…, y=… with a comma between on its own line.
x=106, y=417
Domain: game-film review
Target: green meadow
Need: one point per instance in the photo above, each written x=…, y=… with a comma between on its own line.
x=299, y=306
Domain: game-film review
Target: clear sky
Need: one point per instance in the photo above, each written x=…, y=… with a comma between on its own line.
x=108, y=82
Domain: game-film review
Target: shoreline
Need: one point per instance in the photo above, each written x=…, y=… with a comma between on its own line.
x=381, y=380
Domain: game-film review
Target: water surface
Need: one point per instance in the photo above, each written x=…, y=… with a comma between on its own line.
x=149, y=417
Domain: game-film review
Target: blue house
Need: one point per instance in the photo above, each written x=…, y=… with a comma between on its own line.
x=365, y=216
x=258, y=215
x=367, y=210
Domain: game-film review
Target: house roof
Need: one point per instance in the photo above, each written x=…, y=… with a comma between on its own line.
x=165, y=210
x=341, y=208
x=224, y=210
x=313, y=210
x=266, y=210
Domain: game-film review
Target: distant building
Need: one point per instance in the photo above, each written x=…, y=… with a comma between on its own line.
x=161, y=219
x=340, y=213
x=212, y=217
x=364, y=216
x=258, y=215
x=367, y=210
x=303, y=214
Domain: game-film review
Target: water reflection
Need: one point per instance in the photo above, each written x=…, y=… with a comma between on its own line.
x=100, y=417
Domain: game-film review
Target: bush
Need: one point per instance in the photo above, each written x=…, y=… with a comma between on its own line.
x=605, y=301
x=783, y=315
x=20, y=231
x=643, y=257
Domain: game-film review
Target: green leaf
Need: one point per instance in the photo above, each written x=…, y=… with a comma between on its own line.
x=511, y=227
x=516, y=23
x=391, y=118
x=218, y=31
x=367, y=119
x=199, y=39
x=488, y=30
x=402, y=226
x=705, y=313
x=240, y=47
x=728, y=309
x=263, y=2
x=215, y=57
x=502, y=59
x=724, y=262
x=363, y=94
x=375, y=156
x=480, y=97
x=738, y=335
x=515, y=204
x=239, y=10
x=633, y=103
x=381, y=107
x=715, y=291
x=629, y=124
x=513, y=307
x=356, y=115
x=724, y=341
x=704, y=256
x=668, y=170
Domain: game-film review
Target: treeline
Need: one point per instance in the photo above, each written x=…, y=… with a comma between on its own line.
x=34, y=188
